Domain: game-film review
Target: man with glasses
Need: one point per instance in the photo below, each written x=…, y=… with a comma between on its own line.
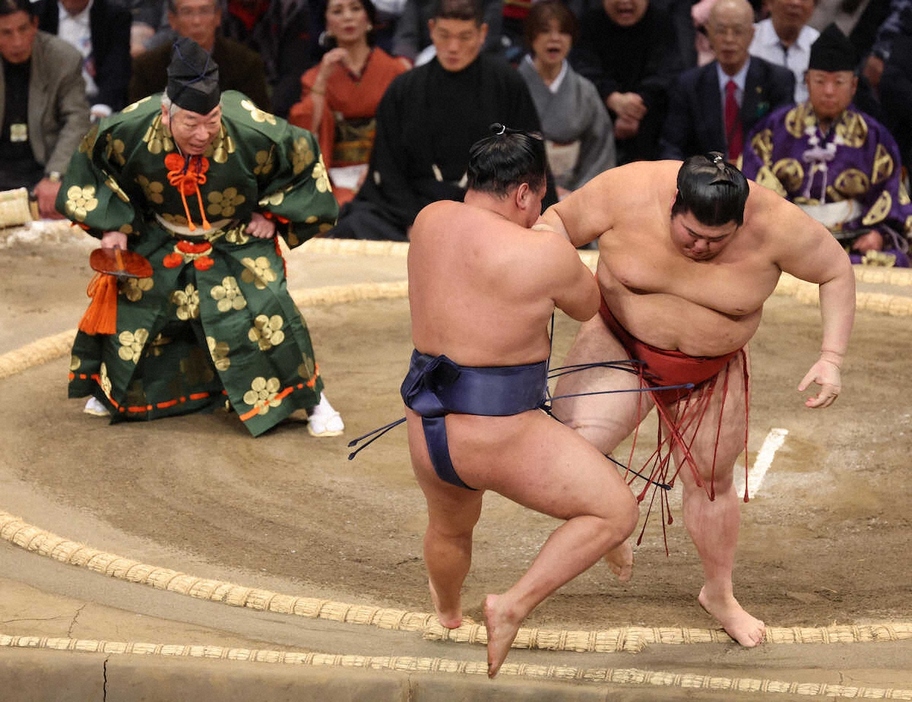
x=713, y=107
x=240, y=68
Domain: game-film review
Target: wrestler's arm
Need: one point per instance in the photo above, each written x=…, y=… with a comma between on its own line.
x=585, y=214
x=576, y=291
x=814, y=255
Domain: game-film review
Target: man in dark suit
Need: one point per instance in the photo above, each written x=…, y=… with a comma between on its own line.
x=240, y=68
x=713, y=107
x=101, y=33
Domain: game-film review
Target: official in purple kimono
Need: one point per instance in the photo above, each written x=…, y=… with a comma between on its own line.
x=837, y=163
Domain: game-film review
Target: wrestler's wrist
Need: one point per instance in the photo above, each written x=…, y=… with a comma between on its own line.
x=832, y=357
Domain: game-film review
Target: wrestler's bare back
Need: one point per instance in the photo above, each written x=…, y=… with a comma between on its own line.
x=703, y=307
x=482, y=288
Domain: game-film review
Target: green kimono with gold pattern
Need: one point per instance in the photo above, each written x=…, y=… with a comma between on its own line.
x=215, y=321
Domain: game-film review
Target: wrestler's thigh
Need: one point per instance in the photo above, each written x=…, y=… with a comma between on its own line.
x=450, y=508
x=705, y=448
x=541, y=464
x=605, y=419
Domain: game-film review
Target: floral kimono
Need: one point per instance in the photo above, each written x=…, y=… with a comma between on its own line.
x=214, y=322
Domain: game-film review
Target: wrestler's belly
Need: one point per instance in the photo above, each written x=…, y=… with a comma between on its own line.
x=673, y=323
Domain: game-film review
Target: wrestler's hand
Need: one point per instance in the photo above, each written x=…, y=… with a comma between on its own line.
x=825, y=374
x=114, y=240
x=260, y=227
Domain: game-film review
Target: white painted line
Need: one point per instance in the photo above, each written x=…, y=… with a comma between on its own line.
x=772, y=443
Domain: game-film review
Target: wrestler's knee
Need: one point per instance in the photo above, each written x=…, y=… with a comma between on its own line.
x=458, y=528
x=628, y=513
x=620, y=518
x=712, y=485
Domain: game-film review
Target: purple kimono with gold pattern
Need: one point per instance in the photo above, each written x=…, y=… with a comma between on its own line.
x=850, y=178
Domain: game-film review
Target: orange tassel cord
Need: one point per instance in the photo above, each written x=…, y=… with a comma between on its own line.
x=101, y=317
x=187, y=179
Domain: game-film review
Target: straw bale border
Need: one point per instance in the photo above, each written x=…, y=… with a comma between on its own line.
x=622, y=639
x=409, y=664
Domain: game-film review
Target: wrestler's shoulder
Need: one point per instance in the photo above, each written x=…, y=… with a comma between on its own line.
x=439, y=210
x=633, y=179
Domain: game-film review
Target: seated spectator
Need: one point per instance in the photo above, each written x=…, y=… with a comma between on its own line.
x=837, y=163
x=241, y=68
x=101, y=33
x=713, y=107
x=340, y=95
x=412, y=39
x=44, y=107
x=683, y=21
x=426, y=122
x=279, y=31
x=578, y=135
x=784, y=38
x=629, y=50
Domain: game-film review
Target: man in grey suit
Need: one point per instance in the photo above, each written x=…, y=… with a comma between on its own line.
x=43, y=108
x=713, y=107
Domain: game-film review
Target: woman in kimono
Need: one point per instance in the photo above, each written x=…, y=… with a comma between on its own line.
x=577, y=128
x=340, y=95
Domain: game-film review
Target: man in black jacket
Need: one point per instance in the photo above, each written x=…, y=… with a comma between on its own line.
x=629, y=50
x=428, y=119
x=101, y=33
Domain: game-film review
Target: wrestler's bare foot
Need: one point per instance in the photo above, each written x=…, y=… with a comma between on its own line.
x=452, y=618
x=620, y=560
x=502, y=626
x=741, y=626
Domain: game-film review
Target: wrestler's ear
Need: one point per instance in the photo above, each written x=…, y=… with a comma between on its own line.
x=520, y=194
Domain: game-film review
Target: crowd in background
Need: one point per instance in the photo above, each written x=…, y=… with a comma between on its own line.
x=610, y=80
